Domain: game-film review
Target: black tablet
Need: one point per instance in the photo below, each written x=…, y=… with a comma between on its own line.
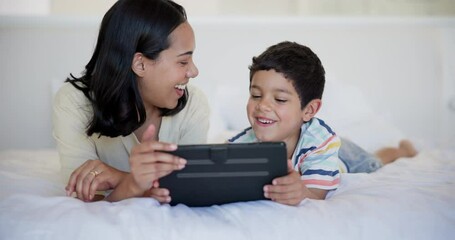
x=223, y=173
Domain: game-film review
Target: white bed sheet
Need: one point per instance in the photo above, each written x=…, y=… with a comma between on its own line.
x=409, y=199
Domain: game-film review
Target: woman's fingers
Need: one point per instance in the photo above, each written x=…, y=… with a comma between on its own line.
x=146, y=176
x=149, y=133
x=92, y=182
x=86, y=179
x=74, y=179
x=152, y=146
x=148, y=163
x=158, y=163
x=160, y=194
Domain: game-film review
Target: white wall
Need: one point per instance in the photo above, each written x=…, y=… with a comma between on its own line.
x=24, y=7
x=404, y=66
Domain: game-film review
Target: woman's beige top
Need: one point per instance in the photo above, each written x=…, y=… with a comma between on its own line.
x=72, y=112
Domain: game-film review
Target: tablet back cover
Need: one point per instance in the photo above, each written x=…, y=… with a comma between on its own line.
x=225, y=173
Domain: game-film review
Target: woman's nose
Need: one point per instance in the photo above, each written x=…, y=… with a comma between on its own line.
x=192, y=71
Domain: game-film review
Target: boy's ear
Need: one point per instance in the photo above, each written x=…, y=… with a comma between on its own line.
x=311, y=109
x=138, y=64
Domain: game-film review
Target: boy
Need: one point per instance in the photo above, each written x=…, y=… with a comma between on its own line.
x=286, y=86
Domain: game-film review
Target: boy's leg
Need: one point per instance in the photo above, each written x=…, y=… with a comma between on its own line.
x=356, y=159
x=390, y=154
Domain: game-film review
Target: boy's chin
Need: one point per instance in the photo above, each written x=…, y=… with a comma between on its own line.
x=263, y=138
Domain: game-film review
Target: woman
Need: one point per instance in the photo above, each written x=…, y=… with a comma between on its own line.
x=132, y=101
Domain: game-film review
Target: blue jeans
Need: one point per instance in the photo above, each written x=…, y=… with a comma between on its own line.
x=356, y=159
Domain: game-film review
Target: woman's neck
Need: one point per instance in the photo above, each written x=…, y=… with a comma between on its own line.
x=153, y=116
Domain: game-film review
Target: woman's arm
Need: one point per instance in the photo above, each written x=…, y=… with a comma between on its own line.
x=148, y=162
x=80, y=162
x=71, y=112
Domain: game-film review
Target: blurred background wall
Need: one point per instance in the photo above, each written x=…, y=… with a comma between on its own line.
x=409, y=44
x=247, y=7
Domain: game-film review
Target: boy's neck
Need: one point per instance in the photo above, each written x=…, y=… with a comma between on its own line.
x=291, y=144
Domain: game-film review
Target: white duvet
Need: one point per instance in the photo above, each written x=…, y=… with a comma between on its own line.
x=409, y=199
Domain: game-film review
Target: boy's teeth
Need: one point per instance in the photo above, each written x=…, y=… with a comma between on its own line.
x=265, y=121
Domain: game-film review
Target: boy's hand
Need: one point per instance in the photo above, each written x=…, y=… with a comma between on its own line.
x=288, y=189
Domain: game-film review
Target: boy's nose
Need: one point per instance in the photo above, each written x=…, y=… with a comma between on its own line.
x=264, y=105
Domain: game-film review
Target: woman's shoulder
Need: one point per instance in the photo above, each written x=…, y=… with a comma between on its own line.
x=69, y=91
x=196, y=94
x=196, y=99
x=69, y=97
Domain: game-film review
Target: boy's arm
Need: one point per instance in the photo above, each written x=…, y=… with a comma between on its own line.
x=291, y=190
x=319, y=168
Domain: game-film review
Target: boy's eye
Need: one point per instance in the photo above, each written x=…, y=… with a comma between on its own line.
x=281, y=100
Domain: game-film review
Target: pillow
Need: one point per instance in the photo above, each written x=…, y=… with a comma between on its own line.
x=344, y=107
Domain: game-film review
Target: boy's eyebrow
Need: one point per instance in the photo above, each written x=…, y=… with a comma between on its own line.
x=283, y=90
x=185, y=53
x=276, y=90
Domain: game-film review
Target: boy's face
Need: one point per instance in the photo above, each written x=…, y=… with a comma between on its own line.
x=274, y=109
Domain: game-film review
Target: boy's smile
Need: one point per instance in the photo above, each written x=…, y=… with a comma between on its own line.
x=264, y=121
x=274, y=109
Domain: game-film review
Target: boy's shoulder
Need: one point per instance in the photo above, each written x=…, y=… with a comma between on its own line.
x=319, y=125
x=245, y=136
x=316, y=130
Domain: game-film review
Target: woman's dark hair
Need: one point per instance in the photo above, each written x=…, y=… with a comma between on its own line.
x=298, y=64
x=108, y=81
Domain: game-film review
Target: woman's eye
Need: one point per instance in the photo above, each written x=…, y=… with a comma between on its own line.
x=255, y=96
x=183, y=63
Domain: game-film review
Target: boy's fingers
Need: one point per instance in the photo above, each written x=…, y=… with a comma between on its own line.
x=290, y=167
x=286, y=180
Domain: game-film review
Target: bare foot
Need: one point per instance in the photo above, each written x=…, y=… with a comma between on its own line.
x=390, y=154
x=407, y=148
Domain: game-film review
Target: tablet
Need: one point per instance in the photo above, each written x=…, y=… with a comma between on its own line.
x=224, y=173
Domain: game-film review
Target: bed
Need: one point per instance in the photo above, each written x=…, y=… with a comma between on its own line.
x=409, y=199
x=412, y=198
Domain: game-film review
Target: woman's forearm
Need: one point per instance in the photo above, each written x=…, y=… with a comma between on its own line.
x=127, y=188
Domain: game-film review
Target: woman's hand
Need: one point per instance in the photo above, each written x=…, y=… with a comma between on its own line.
x=290, y=189
x=92, y=176
x=160, y=194
x=149, y=161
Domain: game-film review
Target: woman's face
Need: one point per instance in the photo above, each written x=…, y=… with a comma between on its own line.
x=165, y=78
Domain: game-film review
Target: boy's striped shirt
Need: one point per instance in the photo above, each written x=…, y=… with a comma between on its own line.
x=315, y=156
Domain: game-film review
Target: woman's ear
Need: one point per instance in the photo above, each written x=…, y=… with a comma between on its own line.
x=311, y=109
x=138, y=64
